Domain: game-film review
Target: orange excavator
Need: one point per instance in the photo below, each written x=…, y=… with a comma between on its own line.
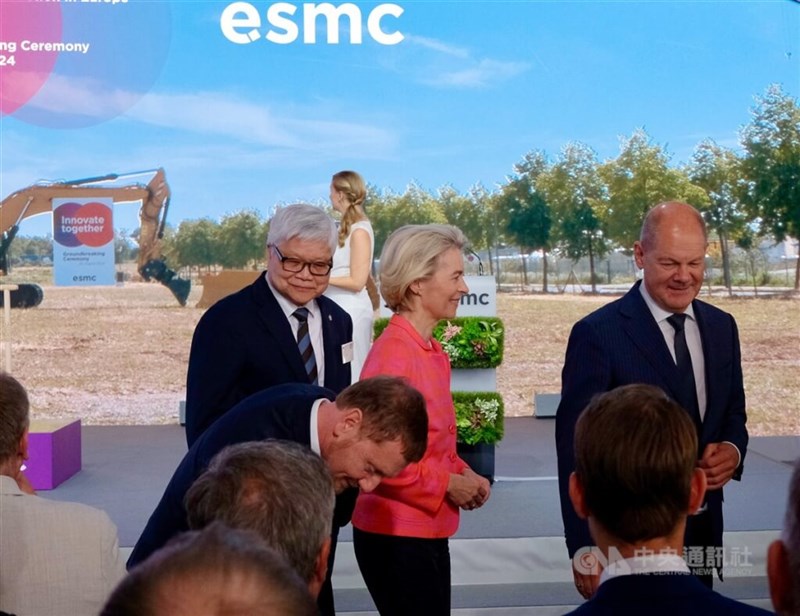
x=154, y=197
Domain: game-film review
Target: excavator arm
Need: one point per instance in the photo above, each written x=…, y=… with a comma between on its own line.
x=154, y=196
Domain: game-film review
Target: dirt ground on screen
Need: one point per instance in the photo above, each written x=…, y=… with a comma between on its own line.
x=118, y=355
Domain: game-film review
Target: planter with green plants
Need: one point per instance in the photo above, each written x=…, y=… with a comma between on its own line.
x=470, y=342
x=479, y=424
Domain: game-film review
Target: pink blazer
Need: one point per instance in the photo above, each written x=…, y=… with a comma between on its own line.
x=413, y=504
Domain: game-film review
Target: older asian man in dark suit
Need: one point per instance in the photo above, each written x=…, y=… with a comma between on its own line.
x=659, y=334
x=372, y=430
x=280, y=329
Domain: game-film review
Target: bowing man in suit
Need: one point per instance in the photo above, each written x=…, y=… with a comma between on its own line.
x=372, y=430
x=280, y=329
x=658, y=333
x=636, y=481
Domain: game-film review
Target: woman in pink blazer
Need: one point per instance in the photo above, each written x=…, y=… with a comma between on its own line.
x=401, y=529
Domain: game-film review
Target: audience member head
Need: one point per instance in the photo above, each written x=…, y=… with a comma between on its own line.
x=413, y=253
x=376, y=427
x=671, y=252
x=279, y=489
x=348, y=193
x=214, y=572
x=635, y=473
x=300, y=246
x=783, y=556
x=14, y=421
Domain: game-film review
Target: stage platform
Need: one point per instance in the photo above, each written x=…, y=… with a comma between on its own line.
x=509, y=558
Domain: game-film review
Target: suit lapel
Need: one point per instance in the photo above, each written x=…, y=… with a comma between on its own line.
x=710, y=361
x=643, y=331
x=274, y=321
x=333, y=353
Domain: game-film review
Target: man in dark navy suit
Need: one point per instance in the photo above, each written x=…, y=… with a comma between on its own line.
x=658, y=333
x=372, y=430
x=636, y=480
x=249, y=341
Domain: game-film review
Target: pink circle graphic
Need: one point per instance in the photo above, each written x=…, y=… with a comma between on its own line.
x=109, y=55
x=87, y=225
x=22, y=74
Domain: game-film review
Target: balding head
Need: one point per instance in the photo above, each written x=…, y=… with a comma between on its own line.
x=671, y=251
x=673, y=215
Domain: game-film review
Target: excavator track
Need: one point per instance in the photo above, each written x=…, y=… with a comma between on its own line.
x=25, y=296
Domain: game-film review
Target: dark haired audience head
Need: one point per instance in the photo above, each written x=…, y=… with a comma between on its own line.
x=14, y=420
x=214, y=572
x=279, y=489
x=783, y=557
x=635, y=465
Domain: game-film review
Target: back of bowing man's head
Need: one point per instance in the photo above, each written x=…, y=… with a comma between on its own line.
x=374, y=429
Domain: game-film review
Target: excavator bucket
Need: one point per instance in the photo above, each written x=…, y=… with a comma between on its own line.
x=25, y=296
x=180, y=288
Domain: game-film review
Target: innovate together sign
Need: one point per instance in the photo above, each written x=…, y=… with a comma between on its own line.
x=83, y=242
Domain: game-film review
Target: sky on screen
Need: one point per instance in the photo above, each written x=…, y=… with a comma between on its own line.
x=471, y=88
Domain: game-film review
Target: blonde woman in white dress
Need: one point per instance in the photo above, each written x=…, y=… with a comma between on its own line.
x=352, y=262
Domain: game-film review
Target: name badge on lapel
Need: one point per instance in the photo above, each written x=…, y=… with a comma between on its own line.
x=347, y=352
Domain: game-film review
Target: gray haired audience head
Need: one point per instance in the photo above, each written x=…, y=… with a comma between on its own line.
x=279, y=489
x=215, y=572
x=14, y=417
x=783, y=556
x=304, y=222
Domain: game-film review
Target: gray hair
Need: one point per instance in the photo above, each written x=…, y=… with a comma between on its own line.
x=304, y=222
x=412, y=253
x=14, y=415
x=227, y=570
x=279, y=489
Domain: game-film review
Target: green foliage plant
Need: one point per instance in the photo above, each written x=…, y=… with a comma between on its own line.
x=479, y=416
x=470, y=342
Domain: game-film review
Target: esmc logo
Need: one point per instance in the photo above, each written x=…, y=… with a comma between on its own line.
x=241, y=23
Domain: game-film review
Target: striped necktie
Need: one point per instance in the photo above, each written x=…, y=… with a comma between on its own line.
x=304, y=344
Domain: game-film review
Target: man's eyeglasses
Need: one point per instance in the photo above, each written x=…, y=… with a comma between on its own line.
x=295, y=266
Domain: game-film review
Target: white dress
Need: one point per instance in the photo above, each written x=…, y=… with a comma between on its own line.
x=357, y=305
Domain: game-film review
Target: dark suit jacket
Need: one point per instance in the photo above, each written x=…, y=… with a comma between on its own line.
x=282, y=412
x=620, y=344
x=661, y=595
x=244, y=344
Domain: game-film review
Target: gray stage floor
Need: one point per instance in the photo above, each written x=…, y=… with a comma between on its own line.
x=508, y=557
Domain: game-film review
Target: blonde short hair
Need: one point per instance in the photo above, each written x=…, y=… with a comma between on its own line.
x=412, y=253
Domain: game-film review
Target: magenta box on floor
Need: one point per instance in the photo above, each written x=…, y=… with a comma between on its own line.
x=54, y=452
